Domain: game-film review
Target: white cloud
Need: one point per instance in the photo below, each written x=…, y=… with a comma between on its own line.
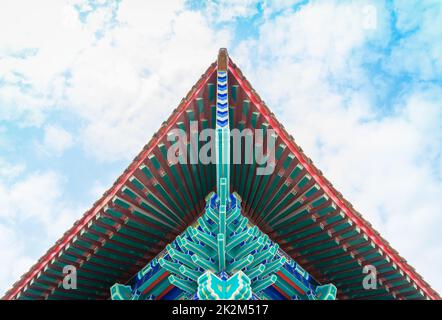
x=37, y=46
x=15, y=261
x=228, y=10
x=420, y=53
x=9, y=171
x=39, y=189
x=34, y=213
x=55, y=141
x=121, y=85
x=130, y=81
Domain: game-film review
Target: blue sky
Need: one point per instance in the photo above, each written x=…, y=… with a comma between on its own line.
x=85, y=84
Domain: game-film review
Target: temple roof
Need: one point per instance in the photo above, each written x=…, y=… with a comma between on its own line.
x=153, y=201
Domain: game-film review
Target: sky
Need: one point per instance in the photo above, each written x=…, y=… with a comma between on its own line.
x=84, y=84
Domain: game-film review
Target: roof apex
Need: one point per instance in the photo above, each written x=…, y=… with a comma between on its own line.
x=223, y=59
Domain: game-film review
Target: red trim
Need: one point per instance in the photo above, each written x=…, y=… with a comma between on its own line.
x=116, y=187
x=281, y=292
x=323, y=184
x=290, y=282
x=166, y=291
x=153, y=284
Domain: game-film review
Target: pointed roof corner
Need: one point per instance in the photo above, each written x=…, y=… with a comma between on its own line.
x=222, y=59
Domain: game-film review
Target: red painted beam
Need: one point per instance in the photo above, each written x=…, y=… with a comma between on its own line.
x=290, y=282
x=166, y=291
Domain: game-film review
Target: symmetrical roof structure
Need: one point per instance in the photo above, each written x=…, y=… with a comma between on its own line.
x=154, y=201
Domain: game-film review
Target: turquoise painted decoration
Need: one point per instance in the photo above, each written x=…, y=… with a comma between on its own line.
x=222, y=241
x=326, y=292
x=211, y=287
x=122, y=292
